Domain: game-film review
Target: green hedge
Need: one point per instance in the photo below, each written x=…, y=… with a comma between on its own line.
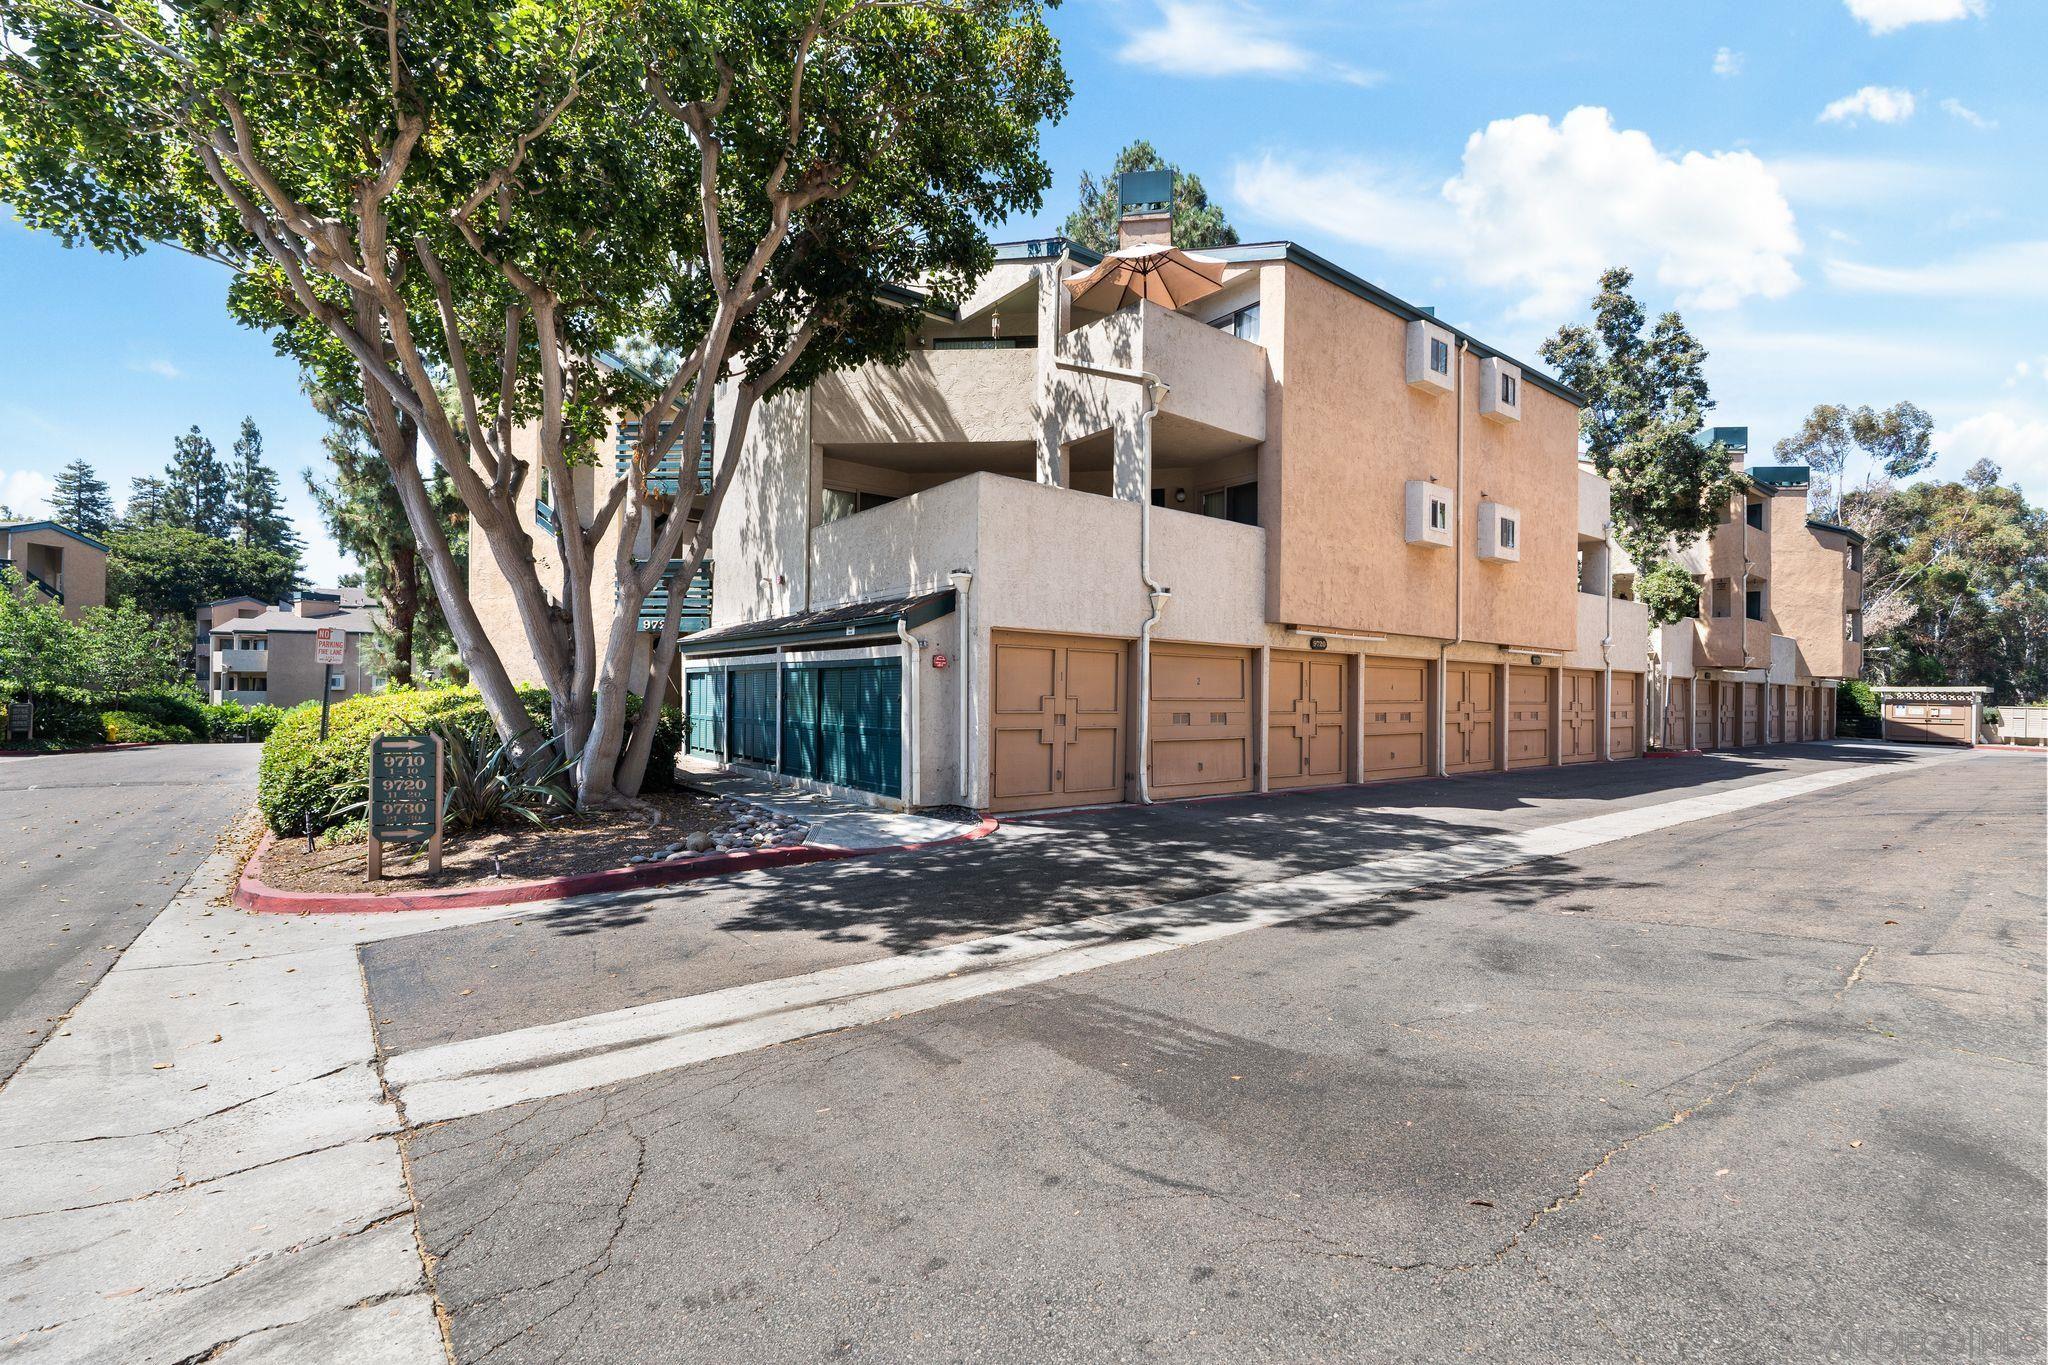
x=299, y=775
x=133, y=727
x=72, y=718
x=229, y=722
x=1857, y=715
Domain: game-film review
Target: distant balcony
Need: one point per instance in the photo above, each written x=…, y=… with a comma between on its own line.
x=1215, y=382
x=696, y=601
x=933, y=398
x=241, y=660
x=246, y=698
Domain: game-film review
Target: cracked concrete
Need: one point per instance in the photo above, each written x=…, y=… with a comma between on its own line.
x=202, y=1164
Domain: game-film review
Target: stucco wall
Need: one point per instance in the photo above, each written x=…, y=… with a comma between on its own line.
x=82, y=569
x=939, y=396
x=1630, y=650
x=1811, y=588
x=902, y=547
x=1595, y=497
x=1351, y=432
x=761, y=537
x=1673, y=647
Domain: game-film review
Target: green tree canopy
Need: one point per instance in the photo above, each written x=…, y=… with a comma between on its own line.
x=82, y=501
x=1647, y=401
x=38, y=647
x=255, y=505
x=196, y=487
x=1895, y=443
x=121, y=650
x=1197, y=223
x=474, y=199
x=149, y=503
x=165, y=570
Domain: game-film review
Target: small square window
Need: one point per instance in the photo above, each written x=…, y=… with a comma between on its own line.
x=1507, y=532
x=1753, y=604
x=1439, y=356
x=1755, y=515
x=1507, y=390
x=1439, y=515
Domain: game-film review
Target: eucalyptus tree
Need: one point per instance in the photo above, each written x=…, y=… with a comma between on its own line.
x=460, y=205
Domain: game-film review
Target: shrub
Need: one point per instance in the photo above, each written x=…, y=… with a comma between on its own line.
x=1668, y=592
x=230, y=722
x=132, y=727
x=1857, y=715
x=66, y=718
x=177, y=711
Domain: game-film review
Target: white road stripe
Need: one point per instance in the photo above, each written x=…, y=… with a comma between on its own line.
x=477, y=1075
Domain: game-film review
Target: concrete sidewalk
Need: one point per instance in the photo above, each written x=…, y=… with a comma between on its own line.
x=203, y=1163
x=834, y=823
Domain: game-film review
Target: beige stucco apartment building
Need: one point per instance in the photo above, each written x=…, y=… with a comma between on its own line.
x=66, y=566
x=256, y=653
x=1779, y=623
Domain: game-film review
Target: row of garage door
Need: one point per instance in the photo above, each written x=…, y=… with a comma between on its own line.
x=1729, y=715
x=1059, y=722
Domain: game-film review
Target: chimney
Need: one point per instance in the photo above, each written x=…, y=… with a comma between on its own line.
x=1145, y=204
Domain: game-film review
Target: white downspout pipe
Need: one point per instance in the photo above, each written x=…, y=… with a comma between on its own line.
x=1459, y=549
x=912, y=679
x=963, y=583
x=1607, y=654
x=1156, y=390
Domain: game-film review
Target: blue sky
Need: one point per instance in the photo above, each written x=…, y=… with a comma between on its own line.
x=1844, y=197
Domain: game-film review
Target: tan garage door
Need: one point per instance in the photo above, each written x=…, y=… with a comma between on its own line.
x=1752, y=713
x=1926, y=722
x=1624, y=716
x=1774, y=719
x=1703, y=714
x=1396, y=719
x=1058, y=724
x=1809, y=712
x=1579, y=716
x=1201, y=720
x=1471, y=711
x=1725, y=712
x=1529, y=703
x=1678, y=714
x=1307, y=739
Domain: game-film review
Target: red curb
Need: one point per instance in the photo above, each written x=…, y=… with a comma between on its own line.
x=251, y=893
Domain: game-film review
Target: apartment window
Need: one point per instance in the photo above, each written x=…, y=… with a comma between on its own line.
x=844, y=502
x=1507, y=533
x=1753, y=604
x=1755, y=515
x=1020, y=343
x=1243, y=324
x=1723, y=599
x=1439, y=356
x=1439, y=515
x=335, y=682
x=1238, y=503
x=1507, y=390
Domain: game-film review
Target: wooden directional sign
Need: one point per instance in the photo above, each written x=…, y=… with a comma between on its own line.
x=405, y=796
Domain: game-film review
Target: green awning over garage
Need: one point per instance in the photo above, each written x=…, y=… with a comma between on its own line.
x=853, y=620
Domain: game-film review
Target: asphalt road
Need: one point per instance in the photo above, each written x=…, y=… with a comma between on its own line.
x=1761, y=1087
x=95, y=844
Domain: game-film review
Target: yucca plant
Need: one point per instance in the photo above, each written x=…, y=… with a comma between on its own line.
x=491, y=783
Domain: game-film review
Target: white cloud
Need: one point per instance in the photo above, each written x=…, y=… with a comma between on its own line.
x=161, y=368
x=1539, y=209
x=1228, y=38
x=1878, y=103
x=2017, y=444
x=1855, y=181
x=1886, y=16
x=26, y=492
x=1955, y=108
x=1728, y=62
x=2010, y=270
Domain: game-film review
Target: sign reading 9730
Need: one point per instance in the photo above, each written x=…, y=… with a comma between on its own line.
x=405, y=786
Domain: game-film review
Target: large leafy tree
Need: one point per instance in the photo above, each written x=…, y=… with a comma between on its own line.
x=149, y=504
x=363, y=514
x=1197, y=223
x=82, y=501
x=255, y=505
x=1647, y=401
x=473, y=199
x=166, y=570
x=38, y=647
x=121, y=650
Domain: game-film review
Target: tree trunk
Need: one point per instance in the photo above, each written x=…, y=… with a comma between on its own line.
x=405, y=610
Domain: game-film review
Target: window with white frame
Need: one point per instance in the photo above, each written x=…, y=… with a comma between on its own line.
x=1439, y=355
x=1507, y=390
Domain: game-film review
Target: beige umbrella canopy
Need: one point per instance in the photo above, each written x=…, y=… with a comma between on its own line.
x=1163, y=275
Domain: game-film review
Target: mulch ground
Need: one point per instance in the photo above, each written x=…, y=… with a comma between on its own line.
x=583, y=843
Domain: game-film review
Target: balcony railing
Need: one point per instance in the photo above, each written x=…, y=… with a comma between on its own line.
x=696, y=601
x=54, y=588
x=666, y=477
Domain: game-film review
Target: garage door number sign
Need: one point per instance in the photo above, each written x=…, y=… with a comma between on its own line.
x=405, y=796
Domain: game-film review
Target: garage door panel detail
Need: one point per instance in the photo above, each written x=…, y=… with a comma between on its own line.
x=1306, y=729
x=1058, y=725
x=1470, y=713
x=1529, y=704
x=1200, y=724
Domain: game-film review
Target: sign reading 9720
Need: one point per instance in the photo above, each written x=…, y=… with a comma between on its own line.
x=405, y=787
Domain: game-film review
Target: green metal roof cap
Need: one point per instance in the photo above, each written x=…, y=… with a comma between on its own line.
x=825, y=626
x=1782, y=475
x=1817, y=524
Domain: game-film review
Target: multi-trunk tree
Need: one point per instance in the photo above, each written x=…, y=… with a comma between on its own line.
x=1647, y=401
x=464, y=204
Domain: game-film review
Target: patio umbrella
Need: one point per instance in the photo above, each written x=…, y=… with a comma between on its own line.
x=1164, y=275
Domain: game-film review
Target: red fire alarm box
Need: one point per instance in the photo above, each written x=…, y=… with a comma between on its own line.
x=940, y=661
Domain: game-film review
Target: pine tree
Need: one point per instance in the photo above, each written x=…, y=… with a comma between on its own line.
x=82, y=502
x=197, y=484
x=255, y=506
x=149, y=504
x=1197, y=223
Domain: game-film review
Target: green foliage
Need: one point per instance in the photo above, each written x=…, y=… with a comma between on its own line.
x=1197, y=223
x=230, y=722
x=491, y=783
x=167, y=570
x=1668, y=591
x=66, y=717
x=38, y=646
x=81, y=501
x=176, y=710
x=1647, y=401
x=299, y=776
x=196, y=487
x=255, y=512
x=132, y=727
x=121, y=650
x=1857, y=713
x=1895, y=444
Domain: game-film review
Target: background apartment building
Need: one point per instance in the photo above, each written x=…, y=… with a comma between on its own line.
x=66, y=566
x=255, y=653
x=1779, y=624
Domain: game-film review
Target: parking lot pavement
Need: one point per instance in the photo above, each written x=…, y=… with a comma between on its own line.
x=1766, y=1086
x=96, y=844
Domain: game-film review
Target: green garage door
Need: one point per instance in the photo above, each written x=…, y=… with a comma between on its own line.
x=843, y=723
x=701, y=703
x=753, y=715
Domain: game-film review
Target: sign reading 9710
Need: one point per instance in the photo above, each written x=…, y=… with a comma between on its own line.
x=405, y=786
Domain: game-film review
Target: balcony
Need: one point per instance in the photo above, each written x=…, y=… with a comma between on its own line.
x=246, y=698
x=942, y=398
x=666, y=476
x=241, y=660
x=696, y=601
x=1629, y=628
x=1216, y=382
